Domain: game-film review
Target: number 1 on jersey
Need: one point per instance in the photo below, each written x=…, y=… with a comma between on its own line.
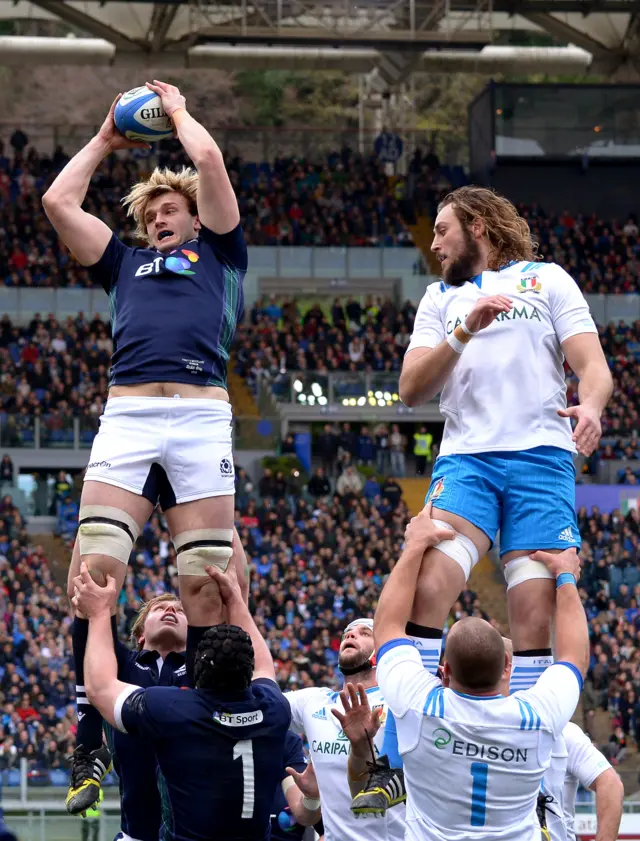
x=244, y=750
x=479, y=775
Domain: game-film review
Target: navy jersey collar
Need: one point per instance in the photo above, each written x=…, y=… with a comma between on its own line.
x=146, y=657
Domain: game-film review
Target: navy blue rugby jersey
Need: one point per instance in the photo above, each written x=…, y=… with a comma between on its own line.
x=220, y=757
x=174, y=316
x=134, y=758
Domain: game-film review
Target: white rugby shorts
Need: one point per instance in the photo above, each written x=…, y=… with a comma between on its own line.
x=141, y=438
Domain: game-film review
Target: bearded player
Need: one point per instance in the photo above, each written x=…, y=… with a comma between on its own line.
x=175, y=302
x=319, y=713
x=492, y=337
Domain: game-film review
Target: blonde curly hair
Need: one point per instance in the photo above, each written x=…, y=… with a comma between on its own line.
x=160, y=181
x=508, y=233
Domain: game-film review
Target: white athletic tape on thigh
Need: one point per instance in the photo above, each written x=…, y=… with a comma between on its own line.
x=104, y=530
x=200, y=548
x=524, y=569
x=461, y=549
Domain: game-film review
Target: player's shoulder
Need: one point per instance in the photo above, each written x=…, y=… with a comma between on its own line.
x=309, y=693
x=574, y=736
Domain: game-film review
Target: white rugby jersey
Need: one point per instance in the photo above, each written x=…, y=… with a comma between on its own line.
x=585, y=763
x=473, y=765
x=553, y=787
x=507, y=386
x=329, y=750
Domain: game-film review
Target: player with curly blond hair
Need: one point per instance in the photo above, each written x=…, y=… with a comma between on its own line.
x=175, y=302
x=491, y=338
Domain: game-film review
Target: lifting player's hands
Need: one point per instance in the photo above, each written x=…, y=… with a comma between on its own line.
x=486, y=310
x=358, y=721
x=227, y=582
x=423, y=533
x=588, y=430
x=171, y=97
x=90, y=598
x=306, y=781
x=110, y=135
x=567, y=561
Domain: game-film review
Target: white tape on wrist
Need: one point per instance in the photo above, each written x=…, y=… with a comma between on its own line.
x=311, y=803
x=455, y=343
x=466, y=329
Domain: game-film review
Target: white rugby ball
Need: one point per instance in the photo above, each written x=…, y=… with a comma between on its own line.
x=139, y=115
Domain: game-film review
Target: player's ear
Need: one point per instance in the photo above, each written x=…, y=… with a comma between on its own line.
x=478, y=228
x=197, y=224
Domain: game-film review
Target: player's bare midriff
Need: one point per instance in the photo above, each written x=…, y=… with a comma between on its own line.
x=213, y=392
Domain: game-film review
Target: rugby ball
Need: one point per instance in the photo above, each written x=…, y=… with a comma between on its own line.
x=139, y=115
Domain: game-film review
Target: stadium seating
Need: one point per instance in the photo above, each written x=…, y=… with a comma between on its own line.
x=311, y=568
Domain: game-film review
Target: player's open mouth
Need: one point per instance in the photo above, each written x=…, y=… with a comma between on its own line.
x=164, y=234
x=350, y=645
x=170, y=618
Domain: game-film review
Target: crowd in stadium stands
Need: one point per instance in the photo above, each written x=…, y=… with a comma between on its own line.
x=318, y=557
x=59, y=371
x=37, y=716
x=611, y=593
x=317, y=561
x=353, y=337
x=346, y=200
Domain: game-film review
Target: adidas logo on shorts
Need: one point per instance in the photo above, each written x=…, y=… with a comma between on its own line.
x=566, y=535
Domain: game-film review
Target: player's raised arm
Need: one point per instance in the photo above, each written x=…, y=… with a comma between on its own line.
x=85, y=235
x=100, y=665
x=396, y=600
x=432, y=355
x=238, y=614
x=217, y=203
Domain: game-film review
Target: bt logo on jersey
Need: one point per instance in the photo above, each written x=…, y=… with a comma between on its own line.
x=178, y=262
x=238, y=719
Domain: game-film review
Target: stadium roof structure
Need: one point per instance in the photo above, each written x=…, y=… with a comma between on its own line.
x=398, y=37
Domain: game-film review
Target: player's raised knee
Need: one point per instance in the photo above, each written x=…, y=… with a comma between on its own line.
x=200, y=548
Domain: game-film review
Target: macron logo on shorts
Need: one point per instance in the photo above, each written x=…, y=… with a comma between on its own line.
x=566, y=535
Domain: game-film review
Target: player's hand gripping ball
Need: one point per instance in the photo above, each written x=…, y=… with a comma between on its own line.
x=140, y=115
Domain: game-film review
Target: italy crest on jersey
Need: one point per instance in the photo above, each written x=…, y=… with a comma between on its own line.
x=529, y=283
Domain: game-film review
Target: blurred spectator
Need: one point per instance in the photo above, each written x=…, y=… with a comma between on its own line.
x=328, y=448
x=422, y=449
x=366, y=447
x=381, y=435
x=350, y=482
x=6, y=470
x=319, y=485
x=398, y=446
